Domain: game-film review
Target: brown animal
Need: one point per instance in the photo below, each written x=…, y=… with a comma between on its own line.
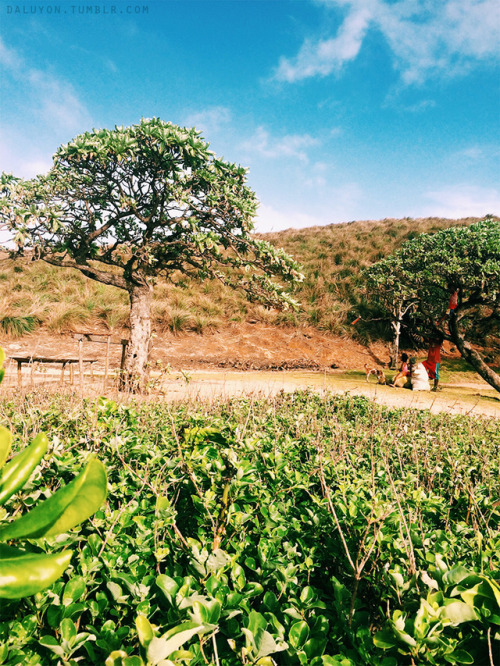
x=377, y=372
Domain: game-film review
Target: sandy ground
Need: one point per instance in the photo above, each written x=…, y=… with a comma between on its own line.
x=249, y=360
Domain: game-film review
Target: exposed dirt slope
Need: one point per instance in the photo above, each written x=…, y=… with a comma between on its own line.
x=245, y=347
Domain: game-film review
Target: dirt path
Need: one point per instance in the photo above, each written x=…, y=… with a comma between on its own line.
x=453, y=399
x=217, y=385
x=225, y=364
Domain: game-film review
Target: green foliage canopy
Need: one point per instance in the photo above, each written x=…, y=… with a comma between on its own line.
x=124, y=205
x=427, y=268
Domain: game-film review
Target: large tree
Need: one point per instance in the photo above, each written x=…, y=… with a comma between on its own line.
x=126, y=205
x=426, y=270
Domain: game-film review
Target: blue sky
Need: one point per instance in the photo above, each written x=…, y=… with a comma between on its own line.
x=342, y=109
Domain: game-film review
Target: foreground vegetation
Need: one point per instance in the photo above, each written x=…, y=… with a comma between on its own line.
x=35, y=294
x=303, y=530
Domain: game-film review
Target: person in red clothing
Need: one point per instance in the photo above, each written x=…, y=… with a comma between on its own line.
x=431, y=364
x=452, y=306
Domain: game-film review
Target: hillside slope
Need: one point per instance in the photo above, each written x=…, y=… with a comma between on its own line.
x=34, y=294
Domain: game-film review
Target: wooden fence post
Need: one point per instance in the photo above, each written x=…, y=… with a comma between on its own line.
x=108, y=342
x=80, y=362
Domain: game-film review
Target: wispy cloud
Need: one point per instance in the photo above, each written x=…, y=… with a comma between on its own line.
x=270, y=219
x=23, y=156
x=9, y=59
x=209, y=121
x=323, y=57
x=46, y=97
x=463, y=200
x=57, y=102
x=477, y=153
x=291, y=145
x=335, y=204
x=426, y=37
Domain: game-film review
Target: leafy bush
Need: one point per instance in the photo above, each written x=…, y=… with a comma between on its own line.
x=303, y=530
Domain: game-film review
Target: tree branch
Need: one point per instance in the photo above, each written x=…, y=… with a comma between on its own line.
x=89, y=271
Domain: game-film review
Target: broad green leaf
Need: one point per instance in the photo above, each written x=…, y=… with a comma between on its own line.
x=430, y=582
x=161, y=648
x=384, y=639
x=458, y=612
x=5, y=444
x=206, y=611
x=269, y=646
x=256, y=621
x=18, y=470
x=488, y=588
x=315, y=647
x=51, y=643
x=168, y=586
x=460, y=657
x=144, y=630
x=26, y=575
x=217, y=560
x=299, y=633
x=455, y=575
x=73, y=590
x=68, y=630
x=271, y=602
x=66, y=508
x=121, y=658
x=308, y=595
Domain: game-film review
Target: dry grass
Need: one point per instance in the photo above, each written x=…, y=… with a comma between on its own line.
x=330, y=295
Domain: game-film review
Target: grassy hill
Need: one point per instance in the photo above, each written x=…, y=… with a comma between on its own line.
x=35, y=294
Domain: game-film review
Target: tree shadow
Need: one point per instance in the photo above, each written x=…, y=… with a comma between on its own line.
x=377, y=359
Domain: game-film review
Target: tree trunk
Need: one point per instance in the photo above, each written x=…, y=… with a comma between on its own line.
x=396, y=327
x=472, y=357
x=136, y=368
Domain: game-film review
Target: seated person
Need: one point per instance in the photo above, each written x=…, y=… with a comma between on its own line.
x=419, y=376
x=402, y=377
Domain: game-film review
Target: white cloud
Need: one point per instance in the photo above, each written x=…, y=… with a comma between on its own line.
x=270, y=219
x=20, y=155
x=332, y=205
x=462, y=201
x=475, y=154
x=291, y=145
x=57, y=103
x=426, y=37
x=325, y=56
x=209, y=121
x=8, y=57
x=46, y=97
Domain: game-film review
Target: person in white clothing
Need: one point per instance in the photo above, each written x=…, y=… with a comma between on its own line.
x=419, y=376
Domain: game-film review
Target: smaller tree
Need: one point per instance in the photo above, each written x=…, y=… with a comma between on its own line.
x=426, y=270
x=395, y=298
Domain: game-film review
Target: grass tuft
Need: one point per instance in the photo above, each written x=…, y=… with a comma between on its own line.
x=20, y=325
